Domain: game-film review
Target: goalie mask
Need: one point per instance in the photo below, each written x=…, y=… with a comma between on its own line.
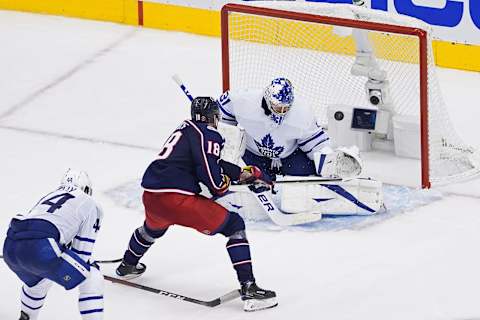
x=279, y=96
x=78, y=179
x=205, y=109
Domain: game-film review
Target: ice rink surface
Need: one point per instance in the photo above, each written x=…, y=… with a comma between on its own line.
x=99, y=96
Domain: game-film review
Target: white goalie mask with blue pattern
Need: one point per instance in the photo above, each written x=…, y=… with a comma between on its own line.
x=279, y=98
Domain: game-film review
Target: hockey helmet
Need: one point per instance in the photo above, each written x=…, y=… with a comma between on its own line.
x=78, y=179
x=205, y=109
x=279, y=96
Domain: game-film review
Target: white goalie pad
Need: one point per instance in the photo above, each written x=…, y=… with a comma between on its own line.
x=358, y=196
x=235, y=142
x=301, y=200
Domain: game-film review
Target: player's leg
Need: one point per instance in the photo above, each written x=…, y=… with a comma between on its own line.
x=32, y=298
x=210, y=218
x=298, y=164
x=142, y=239
x=71, y=272
x=238, y=249
x=35, y=288
x=90, y=295
x=38, y=263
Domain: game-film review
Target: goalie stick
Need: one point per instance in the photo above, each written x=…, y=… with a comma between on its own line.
x=212, y=303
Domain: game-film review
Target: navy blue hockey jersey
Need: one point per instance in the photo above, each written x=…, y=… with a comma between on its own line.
x=190, y=155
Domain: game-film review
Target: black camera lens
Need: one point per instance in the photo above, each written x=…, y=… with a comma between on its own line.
x=338, y=116
x=374, y=100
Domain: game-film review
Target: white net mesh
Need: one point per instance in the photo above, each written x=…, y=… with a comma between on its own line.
x=317, y=58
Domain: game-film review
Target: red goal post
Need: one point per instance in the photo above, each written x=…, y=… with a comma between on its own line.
x=286, y=13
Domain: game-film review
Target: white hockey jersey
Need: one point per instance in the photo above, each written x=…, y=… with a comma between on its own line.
x=75, y=214
x=265, y=135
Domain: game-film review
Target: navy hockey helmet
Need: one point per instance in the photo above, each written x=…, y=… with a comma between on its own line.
x=279, y=96
x=205, y=109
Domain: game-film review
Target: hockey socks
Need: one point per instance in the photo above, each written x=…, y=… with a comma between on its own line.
x=141, y=240
x=32, y=298
x=239, y=252
x=90, y=299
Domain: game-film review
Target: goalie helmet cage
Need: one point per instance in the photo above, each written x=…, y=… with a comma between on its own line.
x=311, y=44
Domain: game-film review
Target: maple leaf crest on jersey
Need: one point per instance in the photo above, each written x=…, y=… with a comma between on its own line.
x=267, y=147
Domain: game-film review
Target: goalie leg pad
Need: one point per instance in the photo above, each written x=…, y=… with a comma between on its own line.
x=244, y=203
x=353, y=197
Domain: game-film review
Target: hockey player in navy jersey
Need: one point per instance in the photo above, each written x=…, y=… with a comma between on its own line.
x=172, y=197
x=53, y=243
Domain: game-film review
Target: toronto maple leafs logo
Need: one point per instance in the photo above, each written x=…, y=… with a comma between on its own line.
x=267, y=147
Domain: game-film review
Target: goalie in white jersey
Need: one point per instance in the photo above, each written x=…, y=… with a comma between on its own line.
x=282, y=134
x=53, y=242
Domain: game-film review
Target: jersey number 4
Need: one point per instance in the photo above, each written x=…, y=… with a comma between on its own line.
x=54, y=205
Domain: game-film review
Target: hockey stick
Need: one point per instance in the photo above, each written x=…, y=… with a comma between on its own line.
x=306, y=179
x=96, y=261
x=212, y=303
x=179, y=81
x=109, y=261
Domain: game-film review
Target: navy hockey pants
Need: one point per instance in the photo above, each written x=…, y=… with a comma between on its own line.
x=35, y=259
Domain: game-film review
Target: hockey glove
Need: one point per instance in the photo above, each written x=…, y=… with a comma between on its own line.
x=225, y=185
x=251, y=174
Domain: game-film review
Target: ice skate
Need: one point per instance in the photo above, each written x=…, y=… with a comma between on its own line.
x=126, y=271
x=257, y=298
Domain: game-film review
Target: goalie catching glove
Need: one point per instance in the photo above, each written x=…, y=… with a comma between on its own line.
x=340, y=163
x=252, y=174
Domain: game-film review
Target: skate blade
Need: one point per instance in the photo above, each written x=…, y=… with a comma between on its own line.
x=257, y=305
x=129, y=276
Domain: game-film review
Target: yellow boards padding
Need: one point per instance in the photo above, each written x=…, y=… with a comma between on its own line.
x=457, y=55
x=122, y=11
x=178, y=18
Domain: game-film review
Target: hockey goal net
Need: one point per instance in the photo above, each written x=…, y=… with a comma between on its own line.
x=312, y=45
